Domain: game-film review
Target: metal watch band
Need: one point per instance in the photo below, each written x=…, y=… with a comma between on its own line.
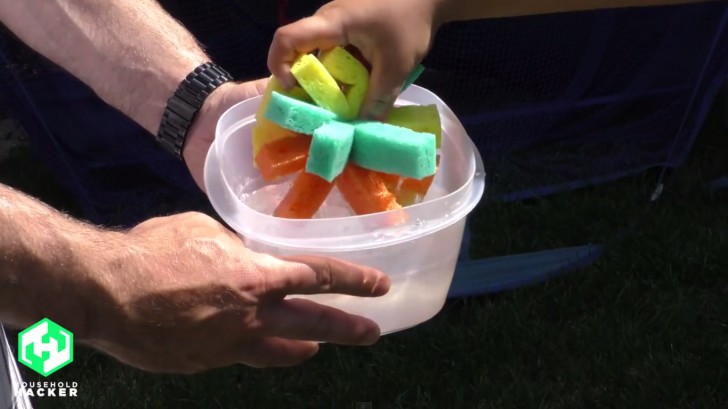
x=183, y=106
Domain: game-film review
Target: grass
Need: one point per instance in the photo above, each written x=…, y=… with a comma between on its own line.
x=646, y=326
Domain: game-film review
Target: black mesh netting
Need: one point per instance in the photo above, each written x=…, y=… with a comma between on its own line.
x=553, y=102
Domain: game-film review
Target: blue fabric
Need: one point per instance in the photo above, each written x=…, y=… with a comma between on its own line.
x=718, y=184
x=499, y=274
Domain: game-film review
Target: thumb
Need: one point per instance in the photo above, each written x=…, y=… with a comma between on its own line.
x=389, y=72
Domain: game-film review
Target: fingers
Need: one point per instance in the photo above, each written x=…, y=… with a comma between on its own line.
x=301, y=37
x=306, y=320
x=325, y=30
x=277, y=352
x=389, y=72
x=316, y=275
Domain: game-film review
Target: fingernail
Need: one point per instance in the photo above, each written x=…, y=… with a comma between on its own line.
x=372, y=335
x=381, y=286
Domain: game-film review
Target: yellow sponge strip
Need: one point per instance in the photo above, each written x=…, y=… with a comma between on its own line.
x=346, y=69
x=343, y=66
x=320, y=85
x=419, y=118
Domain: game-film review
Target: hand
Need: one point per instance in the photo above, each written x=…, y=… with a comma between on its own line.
x=202, y=132
x=190, y=296
x=392, y=35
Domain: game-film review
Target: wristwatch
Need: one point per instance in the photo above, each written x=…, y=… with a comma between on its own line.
x=183, y=106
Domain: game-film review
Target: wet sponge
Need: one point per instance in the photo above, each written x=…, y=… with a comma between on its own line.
x=320, y=85
x=330, y=150
x=283, y=157
x=298, y=116
x=419, y=118
x=265, y=132
x=393, y=149
x=275, y=86
x=348, y=70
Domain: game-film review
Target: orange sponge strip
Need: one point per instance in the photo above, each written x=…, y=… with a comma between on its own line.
x=283, y=157
x=304, y=198
x=419, y=186
x=390, y=180
x=365, y=191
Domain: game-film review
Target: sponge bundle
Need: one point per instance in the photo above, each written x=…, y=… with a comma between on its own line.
x=312, y=129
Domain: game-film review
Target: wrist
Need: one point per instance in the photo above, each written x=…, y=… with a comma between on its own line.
x=147, y=106
x=191, y=96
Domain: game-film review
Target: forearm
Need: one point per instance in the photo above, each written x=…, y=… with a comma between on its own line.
x=49, y=265
x=458, y=10
x=130, y=52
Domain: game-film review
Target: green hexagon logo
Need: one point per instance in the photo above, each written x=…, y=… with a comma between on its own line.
x=45, y=347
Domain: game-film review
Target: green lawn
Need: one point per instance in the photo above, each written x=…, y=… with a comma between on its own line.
x=646, y=327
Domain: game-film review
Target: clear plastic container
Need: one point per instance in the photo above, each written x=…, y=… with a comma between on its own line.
x=419, y=256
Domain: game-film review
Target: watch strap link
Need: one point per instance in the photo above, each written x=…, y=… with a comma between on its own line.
x=184, y=105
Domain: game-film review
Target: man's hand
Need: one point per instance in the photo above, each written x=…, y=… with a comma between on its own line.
x=189, y=296
x=392, y=35
x=175, y=294
x=202, y=132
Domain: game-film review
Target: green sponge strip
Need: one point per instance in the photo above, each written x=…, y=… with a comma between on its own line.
x=330, y=149
x=296, y=115
x=414, y=75
x=393, y=149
